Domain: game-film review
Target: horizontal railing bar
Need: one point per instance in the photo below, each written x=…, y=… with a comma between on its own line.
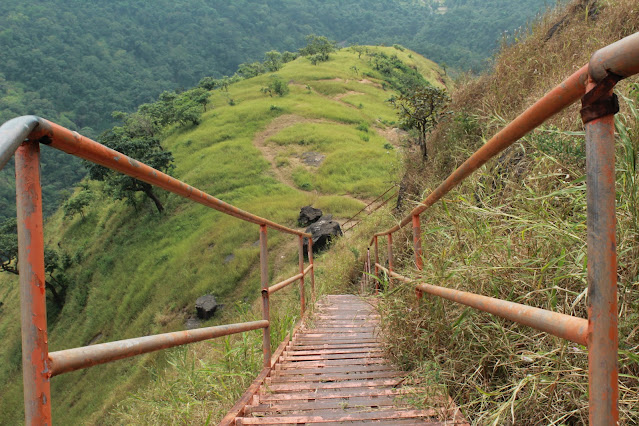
x=308, y=269
x=75, y=144
x=276, y=287
x=88, y=356
x=561, y=325
x=565, y=94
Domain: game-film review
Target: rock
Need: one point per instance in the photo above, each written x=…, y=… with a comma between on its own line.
x=322, y=231
x=206, y=306
x=314, y=159
x=309, y=215
x=229, y=258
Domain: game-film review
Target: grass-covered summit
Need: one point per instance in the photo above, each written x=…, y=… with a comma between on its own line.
x=330, y=140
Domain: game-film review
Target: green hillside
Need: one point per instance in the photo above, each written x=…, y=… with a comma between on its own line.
x=75, y=62
x=135, y=272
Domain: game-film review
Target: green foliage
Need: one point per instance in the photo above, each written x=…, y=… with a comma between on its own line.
x=421, y=110
x=396, y=73
x=318, y=48
x=55, y=263
x=273, y=60
x=138, y=139
x=77, y=204
x=276, y=86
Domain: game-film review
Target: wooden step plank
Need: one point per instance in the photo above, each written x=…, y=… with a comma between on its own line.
x=339, y=417
x=321, y=395
x=303, y=347
x=327, y=377
x=326, y=357
x=346, y=384
x=300, y=352
x=333, y=370
x=331, y=363
x=382, y=401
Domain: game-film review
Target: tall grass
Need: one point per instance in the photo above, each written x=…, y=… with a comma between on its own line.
x=516, y=230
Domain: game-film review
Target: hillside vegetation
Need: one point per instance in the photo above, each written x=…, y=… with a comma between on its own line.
x=75, y=63
x=516, y=230
x=134, y=272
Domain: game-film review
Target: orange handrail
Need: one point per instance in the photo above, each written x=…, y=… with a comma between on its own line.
x=593, y=84
x=23, y=135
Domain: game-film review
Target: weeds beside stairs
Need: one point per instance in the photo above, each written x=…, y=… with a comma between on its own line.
x=334, y=371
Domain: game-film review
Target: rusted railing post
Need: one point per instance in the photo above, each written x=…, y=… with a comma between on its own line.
x=310, y=261
x=368, y=268
x=33, y=313
x=266, y=341
x=602, y=265
x=301, y=262
x=417, y=248
x=417, y=241
x=376, y=263
x=390, y=259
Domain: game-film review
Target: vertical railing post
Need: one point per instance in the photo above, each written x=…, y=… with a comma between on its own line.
x=602, y=270
x=368, y=268
x=417, y=248
x=390, y=259
x=301, y=262
x=376, y=263
x=266, y=339
x=310, y=261
x=417, y=241
x=33, y=312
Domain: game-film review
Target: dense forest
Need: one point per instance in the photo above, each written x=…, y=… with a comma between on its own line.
x=75, y=62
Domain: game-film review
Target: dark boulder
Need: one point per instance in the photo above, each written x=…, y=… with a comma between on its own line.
x=322, y=231
x=206, y=306
x=309, y=215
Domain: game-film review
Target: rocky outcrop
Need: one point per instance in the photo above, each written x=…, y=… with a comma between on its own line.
x=309, y=215
x=323, y=231
x=206, y=306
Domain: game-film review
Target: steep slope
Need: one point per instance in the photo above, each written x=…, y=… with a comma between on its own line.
x=516, y=230
x=135, y=272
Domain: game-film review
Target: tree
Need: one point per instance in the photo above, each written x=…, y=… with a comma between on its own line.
x=54, y=262
x=288, y=56
x=421, y=110
x=359, y=50
x=140, y=143
x=273, y=60
x=318, y=48
x=247, y=70
x=77, y=203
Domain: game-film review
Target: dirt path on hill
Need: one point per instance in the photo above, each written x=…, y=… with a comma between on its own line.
x=270, y=151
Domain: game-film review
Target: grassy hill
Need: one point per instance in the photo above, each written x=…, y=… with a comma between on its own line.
x=136, y=272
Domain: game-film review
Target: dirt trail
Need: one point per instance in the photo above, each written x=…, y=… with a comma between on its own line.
x=270, y=151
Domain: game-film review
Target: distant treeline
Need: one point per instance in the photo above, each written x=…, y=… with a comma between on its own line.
x=75, y=62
